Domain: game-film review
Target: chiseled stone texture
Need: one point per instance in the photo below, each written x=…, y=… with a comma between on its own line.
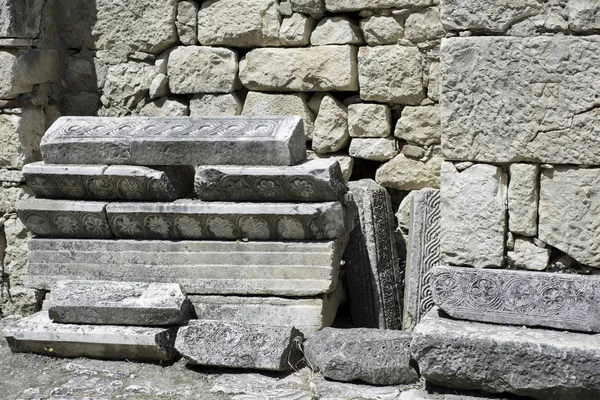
x=525, y=254
x=390, y=74
x=319, y=68
x=544, y=364
x=117, y=303
x=214, y=105
x=420, y=125
x=424, y=26
x=237, y=345
x=125, y=86
x=358, y=5
x=187, y=24
x=38, y=334
x=336, y=30
x=549, y=104
x=405, y=173
x=523, y=193
x=473, y=209
x=374, y=149
x=21, y=18
x=381, y=29
x=379, y=357
x=308, y=6
x=369, y=120
x=20, y=70
x=239, y=23
x=20, y=135
x=331, y=126
x=296, y=30
x=346, y=162
x=165, y=107
x=584, y=15
x=568, y=212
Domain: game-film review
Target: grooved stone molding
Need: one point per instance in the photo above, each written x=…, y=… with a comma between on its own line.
x=175, y=141
x=200, y=267
x=562, y=301
x=423, y=255
x=548, y=104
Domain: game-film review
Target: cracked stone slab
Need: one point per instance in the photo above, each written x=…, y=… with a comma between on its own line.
x=38, y=334
x=549, y=105
x=175, y=141
x=117, y=303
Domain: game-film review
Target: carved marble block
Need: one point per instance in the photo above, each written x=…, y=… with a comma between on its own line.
x=65, y=218
x=562, y=301
x=237, y=345
x=175, y=141
x=117, y=303
x=312, y=181
x=38, y=334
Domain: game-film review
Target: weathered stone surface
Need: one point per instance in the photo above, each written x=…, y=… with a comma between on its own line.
x=544, y=364
x=375, y=149
x=239, y=23
x=568, y=212
x=159, y=87
x=117, y=303
x=405, y=173
x=20, y=135
x=346, y=162
x=473, y=209
x=381, y=29
x=584, y=15
x=213, y=105
x=523, y=193
x=420, y=125
x=358, y=5
x=38, y=334
x=175, y=141
x=549, y=105
x=199, y=69
x=373, y=273
x=165, y=107
x=320, y=68
x=379, y=357
x=312, y=181
x=308, y=6
x=390, y=74
x=187, y=22
x=423, y=251
x=424, y=26
x=21, y=19
x=296, y=30
x=331, y=127
x=237, y=345
x=125, y=86
x=336, y=30
x=199, y=267
x=11, y=196
x=369, y=120
x=101, y=182
x=433, y=86
x=20, y=70
x=526, y=255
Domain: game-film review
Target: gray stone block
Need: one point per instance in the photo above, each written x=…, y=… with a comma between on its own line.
x=199, y=267
x=540, y=363
x=117, y=303
x=65, y=218
x=38, y=334
x=175, y=141
x=236, y=345
x=380, y=357
x=20, y=18
x=310, y=181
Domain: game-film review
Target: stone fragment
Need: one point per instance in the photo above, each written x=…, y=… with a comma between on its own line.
x=117, y=303
x=308, y=6
x=296, y=30
x=191, y=141
x=433, y=86
x=213, y=105
x=165, y=107
x=373, y=274
x=359, y=5
x=336, y=30
x=159, y=87
x=20, y=70
x=374, y=149
x=198, y=69
x=38, y=334
x=20, y=135
x=11, y=196
x=290, y=269
x=369, y=120
x=420, y=125
x=346, y=162
x=523, y=193
x=424, y=26
x=237, y=345
x=331, y=127
x=549, y=105
x=381, y=29
x=584, y=15
x=186, y=23
x=423, y=251
x=568, y=212
x=378, y=357
x=285, y=8
x=527, y=255
x=320, y=68
x=414, y=152
x=312, y=181
x=390, y=74
x=404, y=173
x=21, y=19
x=125, y=86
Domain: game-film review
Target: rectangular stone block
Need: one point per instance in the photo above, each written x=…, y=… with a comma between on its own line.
x=191, y=219
x=523, y=194
x=175, y=141
x=103, y=182
x=38, y=334
x=540, y=363
x=311, y=181
x=549, y=104
x=117, y=303
x=236, y=345
x=20, y=18
x=200, y=267
x=21, y=70
x=65, y=218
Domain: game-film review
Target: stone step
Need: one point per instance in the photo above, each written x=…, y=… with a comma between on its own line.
x=38, y=334
x=563, y=301
x=175, y=141
x=311, y=181
x=118, y=303
x=200, y=267
x=540, y=363
x=237, y=345
x=103, y=182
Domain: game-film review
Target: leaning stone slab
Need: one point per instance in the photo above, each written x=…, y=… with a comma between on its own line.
x=311, y=181
x=175, y=141
x=65, y=218
x=117, y=303
x=236, y=345
x=200, y=267
x=38, y=334
x=103, y=182
x=379, y=357
x=543, y=364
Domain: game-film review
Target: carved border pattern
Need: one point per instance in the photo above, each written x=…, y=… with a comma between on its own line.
x=67, y=224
